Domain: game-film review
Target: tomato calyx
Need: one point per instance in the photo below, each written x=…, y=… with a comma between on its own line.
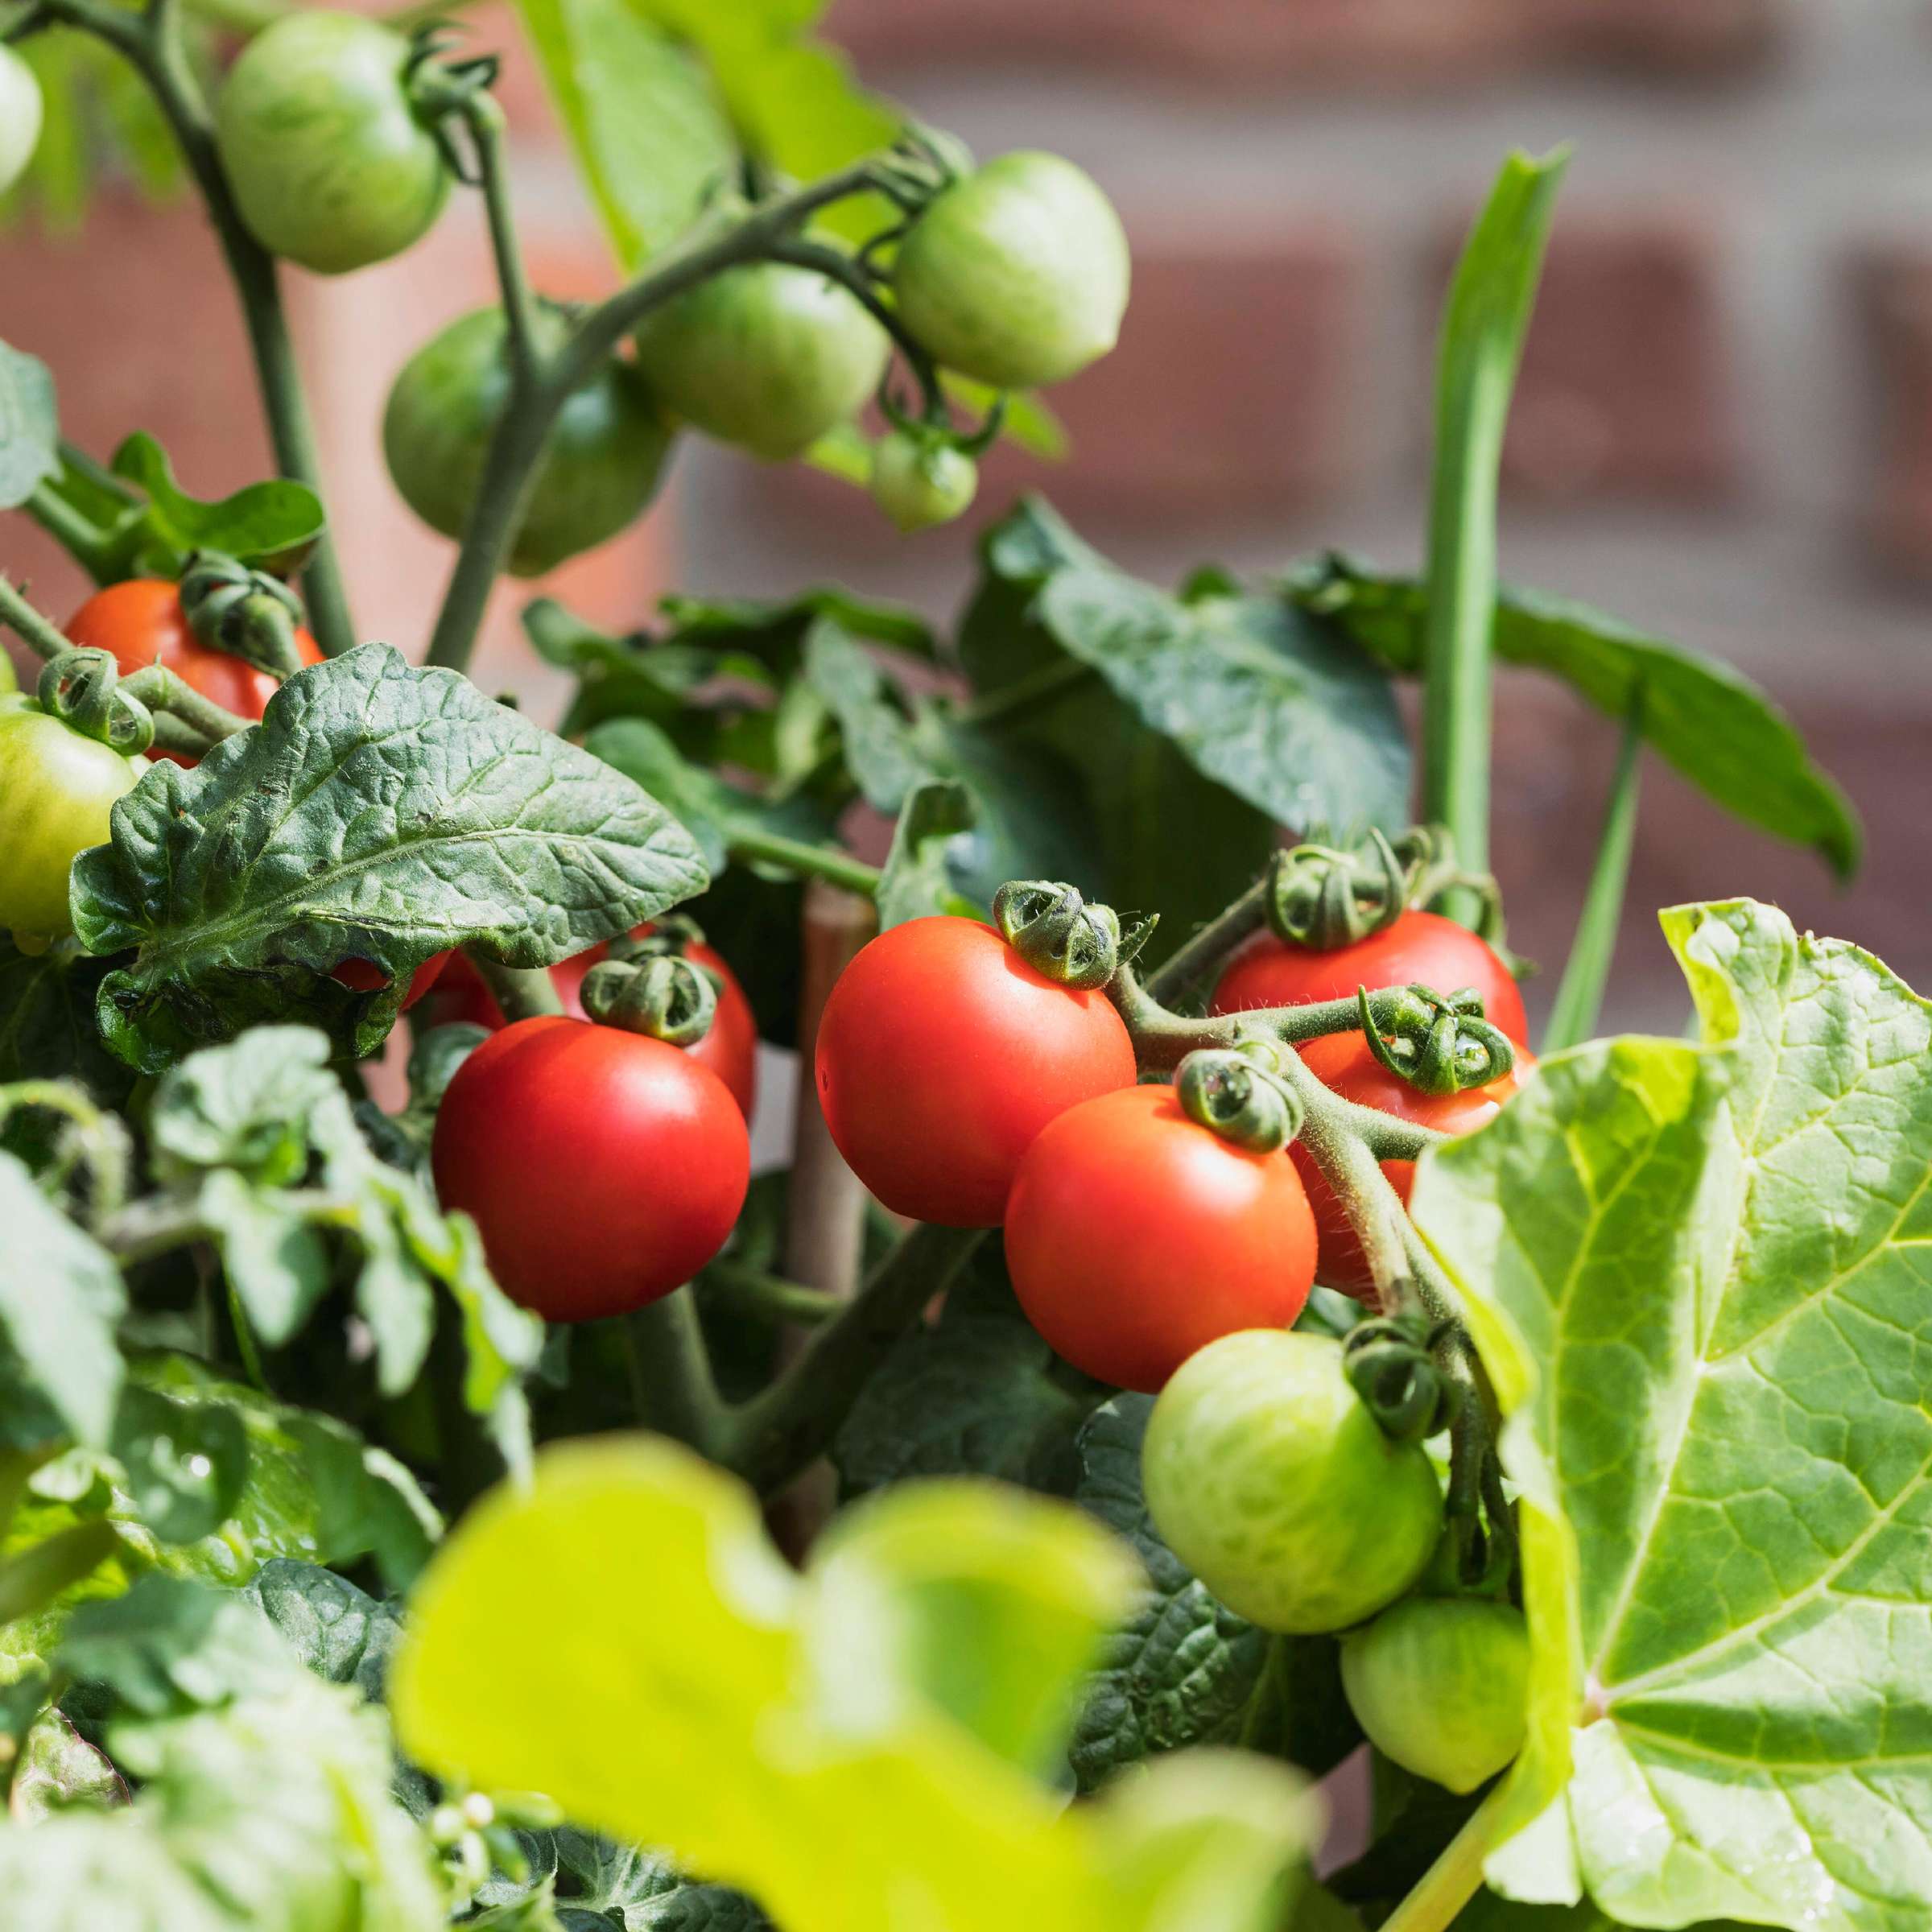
x=442, y=93
x=663, y=996
x=1238, y=1095
x=1058, y=933
x=1439, y=1043
x=247, y=613
x=1389, y=1361
x=1323, y=896
x=81, y=688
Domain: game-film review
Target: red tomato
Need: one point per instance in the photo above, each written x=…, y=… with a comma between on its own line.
x=142, y=622
x=1135, y=1236
x=729, y=1049
x=365, y=975
x=603, y=1168
x=1344, y=1063
x=941, y=1055
x=1421, y=949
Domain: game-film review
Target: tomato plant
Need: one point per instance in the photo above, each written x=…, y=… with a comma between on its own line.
x=544, y=1137
x=1136, y=1236
x=380, y=1257
x=941, y=1054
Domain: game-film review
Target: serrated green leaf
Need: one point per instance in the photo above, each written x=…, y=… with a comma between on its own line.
x=337, y=1631
x=272, y=525
x=30, y=426
x=60, y=1297
x=378, y=812
x=185, y=1465
x=57, y=1768
x=1699, y=1276
x=834, y=1810
x=1710, y=722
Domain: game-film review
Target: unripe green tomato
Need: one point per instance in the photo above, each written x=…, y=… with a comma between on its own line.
x=1440, y=1684
x=769, y=357
x=601, y=466
x=921, y=480
x=57, y=787
x=328, y=162
x=20, y=117
x=1270, y=1480
x=1017, y=274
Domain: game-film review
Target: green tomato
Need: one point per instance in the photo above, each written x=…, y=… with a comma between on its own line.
x=769, y=357
x=1439, y=1684
x=20, y=115
x=1017, y=274
x=56, y=789
x=601, y=466
x=921, y=481
x=1270, y=1478
x=328, y=162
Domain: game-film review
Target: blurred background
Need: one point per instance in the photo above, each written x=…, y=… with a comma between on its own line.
x=1723, y=434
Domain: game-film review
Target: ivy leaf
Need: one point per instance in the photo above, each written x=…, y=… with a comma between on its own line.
x=61, y=1298
x=1186, y=1670
x=978, y=1394
x=1709, y=721
x=916, y=880
x=930, y=1625
x=272, y=525
x=377, y=811
x=30, y=426
x=1699, y=1276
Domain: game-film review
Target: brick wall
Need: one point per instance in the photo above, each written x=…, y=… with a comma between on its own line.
x=1724, y=430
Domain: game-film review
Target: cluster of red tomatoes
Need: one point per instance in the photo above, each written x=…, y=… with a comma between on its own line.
x=966, y=1088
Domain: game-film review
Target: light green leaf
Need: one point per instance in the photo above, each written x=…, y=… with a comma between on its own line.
x=818, y=1742
x=377, y=811
x=1710, y=722
x=273, y=525
x=30, y=426
x=60, y=1297
x=1699, y=1276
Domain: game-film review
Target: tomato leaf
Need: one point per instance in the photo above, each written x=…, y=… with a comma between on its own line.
x=377, y=812
x=46, y=1022
x=916, y=880
x=185, y=1465
x=1185, y=1670
x=30, y=426
x=1698, y=1276
x=60, y=1297
x=921, y=1648
x=978, y=1394
x=273, y=526
x=1710, y=722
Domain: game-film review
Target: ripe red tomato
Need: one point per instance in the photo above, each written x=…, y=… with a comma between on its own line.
x=941, y=1054
x=603, y=1168
x=1344, y=1063
x=1421, y=948
x=729, y=1049
x=142, y=622
x=1135, y=1235
x=365, y=975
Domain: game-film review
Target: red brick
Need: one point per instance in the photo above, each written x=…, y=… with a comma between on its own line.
x=1372, y=42
x=1624, y=388
x=1892, y=285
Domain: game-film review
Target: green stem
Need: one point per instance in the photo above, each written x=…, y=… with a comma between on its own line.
x=1455, y=1877
x=1580, y=998
x=151, y=41
x=769, y=1439
x=484, y=118
x=1033, y=692
x=1483, y=328
x=40, y=634
x=163, y=690
x=670, y=1378
x=770, y=1298
x=849, y=273
x=827, y=862
x=80, y=536
x=526, y=424
x=1199, y=957
x=521, y=994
